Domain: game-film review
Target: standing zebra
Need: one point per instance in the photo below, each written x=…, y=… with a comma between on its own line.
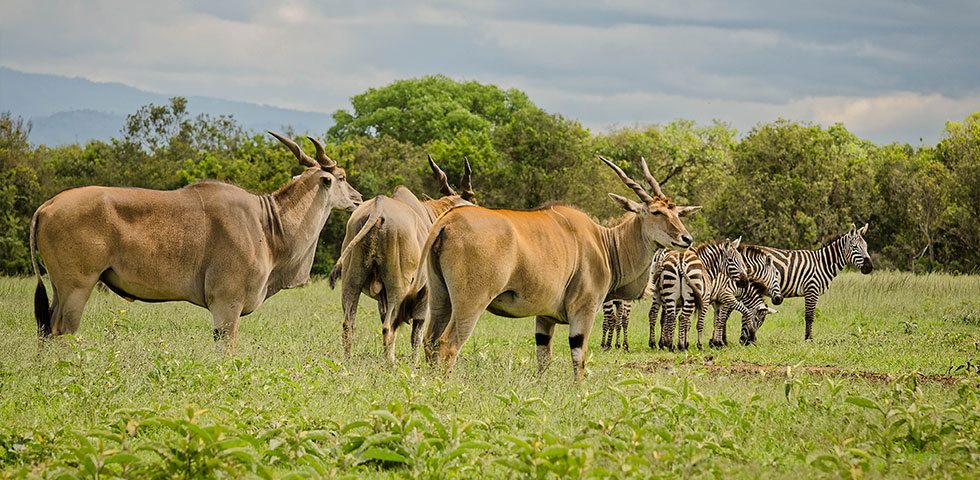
x=808, y=273
x=691, y=280
x=615, y=320
x=679, y=281
x=618, y=323
x=763, y=279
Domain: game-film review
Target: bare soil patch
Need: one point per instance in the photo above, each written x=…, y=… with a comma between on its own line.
x=780, y=370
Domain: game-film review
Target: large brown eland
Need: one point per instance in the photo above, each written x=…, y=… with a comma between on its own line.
x=554, y=263
x=209, y=243
x=381, y=251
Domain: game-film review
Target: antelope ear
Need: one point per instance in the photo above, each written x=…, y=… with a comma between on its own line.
x=863, y=229
x=626, y=203
x=736, y=242
x=685, y=211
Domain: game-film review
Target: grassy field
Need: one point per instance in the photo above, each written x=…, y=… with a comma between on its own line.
x=141, y=393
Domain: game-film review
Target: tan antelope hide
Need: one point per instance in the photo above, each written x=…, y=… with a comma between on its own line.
x=554, y=263
x=381, y=251
x=210, y=243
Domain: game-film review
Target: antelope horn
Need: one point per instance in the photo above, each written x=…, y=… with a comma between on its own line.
x=640, y=192
x=444, y=188
x=321, y=154
x=304, y=159
x=652, y=181
x=466, y=185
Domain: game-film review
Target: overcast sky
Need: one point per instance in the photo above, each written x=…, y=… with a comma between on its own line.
x=890, y=70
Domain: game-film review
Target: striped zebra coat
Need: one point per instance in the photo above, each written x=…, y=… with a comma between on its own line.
x=754, y=301
x=691, y=281
x=616, y=313
x=615, y=321
x=764, y=279
x=808, y=273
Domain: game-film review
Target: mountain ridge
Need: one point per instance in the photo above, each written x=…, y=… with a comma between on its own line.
x=65, y=110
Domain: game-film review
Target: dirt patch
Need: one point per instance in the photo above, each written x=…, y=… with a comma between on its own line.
x=780, y=370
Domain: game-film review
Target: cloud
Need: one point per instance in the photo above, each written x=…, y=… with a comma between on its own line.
x=902, y=117
x=601, y=62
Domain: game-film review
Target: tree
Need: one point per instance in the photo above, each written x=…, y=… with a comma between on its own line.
x=22, y=175
x=546, y=157
x=795, y=186
x=912, y=200
x=959, y=151
x=693, y=163
x=425, y=109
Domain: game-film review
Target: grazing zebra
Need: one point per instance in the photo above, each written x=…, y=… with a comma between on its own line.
x=753, y=300
x=614, y=322
x=808, y=273
x=763, y=279
x=691, y=280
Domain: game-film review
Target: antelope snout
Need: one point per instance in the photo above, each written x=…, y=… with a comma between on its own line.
x=685, y=241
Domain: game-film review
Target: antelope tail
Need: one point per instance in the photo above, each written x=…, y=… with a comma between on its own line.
x=373, y=222
x=418, y=291
x=42, y=312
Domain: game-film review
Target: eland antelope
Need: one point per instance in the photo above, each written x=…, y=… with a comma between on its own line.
x=381, y=251
x=210, y=243
x=554, y=263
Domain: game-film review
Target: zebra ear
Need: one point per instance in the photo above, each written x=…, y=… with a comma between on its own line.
x=853, y=228
x=772, y=311
x=863, y=229
x=736, y=242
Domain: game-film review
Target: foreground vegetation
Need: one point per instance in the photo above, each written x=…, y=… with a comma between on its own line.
x=141, y=393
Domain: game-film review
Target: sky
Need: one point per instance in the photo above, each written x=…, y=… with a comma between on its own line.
x=889, y=70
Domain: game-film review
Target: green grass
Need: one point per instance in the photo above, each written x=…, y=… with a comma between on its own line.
x=142, y=393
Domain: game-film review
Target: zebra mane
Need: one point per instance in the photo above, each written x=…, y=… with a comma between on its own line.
x=758, y=285
x=833, y=239
x=752, y=250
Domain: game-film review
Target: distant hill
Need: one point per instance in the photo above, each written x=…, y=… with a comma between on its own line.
x=74, y=110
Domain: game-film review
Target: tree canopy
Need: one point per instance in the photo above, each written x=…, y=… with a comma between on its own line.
x=783, y=184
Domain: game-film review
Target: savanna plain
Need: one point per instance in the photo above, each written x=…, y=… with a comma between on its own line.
x=888, y=388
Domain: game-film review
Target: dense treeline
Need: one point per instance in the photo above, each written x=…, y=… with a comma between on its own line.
x=783, y=184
